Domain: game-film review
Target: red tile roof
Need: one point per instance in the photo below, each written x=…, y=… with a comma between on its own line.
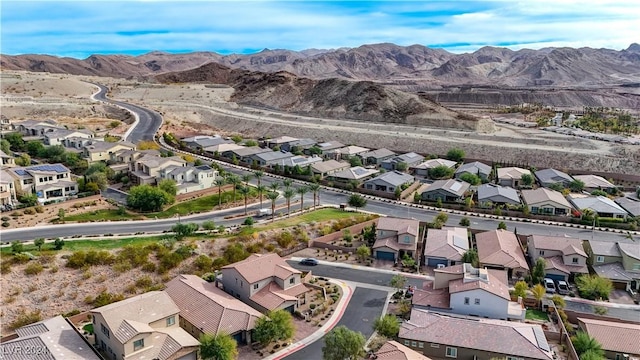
x=393, y=350
x=432, y=298
x=557, y=263
x=614, y=336
x=495, y=284
x=272, y=296
x=568, y=246
x=262, y=266
x=500, y=247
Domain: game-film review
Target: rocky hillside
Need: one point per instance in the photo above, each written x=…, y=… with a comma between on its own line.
x=331, y=98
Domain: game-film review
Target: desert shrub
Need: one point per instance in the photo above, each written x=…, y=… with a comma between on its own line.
x=285, y=239
x=185, y=251
x=29, y=211
x=169, y=261
x=5, y=267
x=33, y=268
x=144, y=281
x=21, y=258
x=203, y=263
x=149, y=267
x=135, y=255
x=39, y=209
x=234, y=253
x=25, y=318
x=5, y=224
x=270, y=247
x=121, y=267
x=53, y=269
x=208, y=225
x=5, y=218
x=104, y=298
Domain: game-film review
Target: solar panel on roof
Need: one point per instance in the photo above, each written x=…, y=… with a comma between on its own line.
x=541, y=339
x=456, y=186
x=460, y=242
x=359, y=171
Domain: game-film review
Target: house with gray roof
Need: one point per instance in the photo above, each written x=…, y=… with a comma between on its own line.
x=48, y=181
x=299, y=160
x=632, y=205
x=410, y=159
x=445, y=247
x=207, y=309
x=389, y=181
x=328, y=167
x=618, y=262
x=441, y=336
x=423, y=168
x=35, y=127
x=545, y=201
x=203, y=141
x=57, y=136
x=298, y=146
x=483, y=171
x=564, y=257
x=244, y=153
x=190, y=178
x=602, y=205
x=269, y=158
x=327, y=148
x=550, y=177
x=6, y=160
x=511, y=176
x=49, y=339
x=376, y=157
x=143, y=327
x=280, y=141
x=499, y=195
x=356, y=173
x=450, y=190
x=595, y=182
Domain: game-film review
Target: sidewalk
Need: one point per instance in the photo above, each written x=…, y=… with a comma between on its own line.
x=368, y=268
x=347, y=292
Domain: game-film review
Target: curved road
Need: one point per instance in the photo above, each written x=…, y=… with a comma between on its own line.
x=150, y=121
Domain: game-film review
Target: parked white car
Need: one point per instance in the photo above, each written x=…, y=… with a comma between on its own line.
x=563, y=287
x=549, y=285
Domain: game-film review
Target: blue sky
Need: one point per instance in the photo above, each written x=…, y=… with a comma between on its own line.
x=81, y=28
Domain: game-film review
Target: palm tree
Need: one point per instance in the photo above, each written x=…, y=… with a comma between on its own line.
x=585, y=343
x=245, y=191
x=246, y=178
x=287, y=183
x=538, y=292
x=302, y=190
x=258, y=174
x=235, y=180
x=288, y=194
x=274, y=186
x=220, y=182
x=315, y=188
x=261, y=189
x=273, y=196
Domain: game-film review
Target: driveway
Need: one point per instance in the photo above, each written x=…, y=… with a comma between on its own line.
x=365, y=307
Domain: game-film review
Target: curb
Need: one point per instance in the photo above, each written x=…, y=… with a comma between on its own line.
x=368, y=268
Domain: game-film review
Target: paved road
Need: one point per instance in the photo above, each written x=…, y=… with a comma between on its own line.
x=149, y=121
x=626, y=314
x=355, y=275
x=365, y=307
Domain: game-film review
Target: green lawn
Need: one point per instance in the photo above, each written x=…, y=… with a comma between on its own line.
x=88, y=328
x=534, y=314
x=202, y=204
x=321, y=215
x=103, y=215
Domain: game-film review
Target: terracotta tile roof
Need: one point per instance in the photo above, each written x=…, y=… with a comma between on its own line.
x=273, y=296
x=500, y=247
x=392, y=243
x=543, y=195
x=499, y=337
x=262, y=266
x=448, y=243
x=453, y=269
x=427, y=296
x=399, y=225
x=614, y=336
x=567, y=245
x=207, y=307
x=496, y=284
x=512, y=173
x=393, y=350
x=557, y=263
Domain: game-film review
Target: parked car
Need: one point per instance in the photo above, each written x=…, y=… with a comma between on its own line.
x=563, y=287
x=549, y=285
x=263, y=212
x=309, y=262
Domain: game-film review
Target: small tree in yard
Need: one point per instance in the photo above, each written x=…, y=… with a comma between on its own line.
x=343, y=344
x=538, y=292
x=520, y=289
x=502, y=226
x=58, y=244
x=527, y=180
x=398, y=282
x=61, y=214
x=594, y=287
x=183, y=230
x=465, y=222
x=218, y=347
x=357, y=201
x=455, y=154
x=277, y=325
x=17, y=247
x=363, y=252
x=471, y=257
x=387, y=326
x=38, y=242
x=537, y=274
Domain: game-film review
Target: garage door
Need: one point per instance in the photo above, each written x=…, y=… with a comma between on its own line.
x=434, y=262
x=290, y=308
x=385, y=255
x=238, y=338
x=620, y=285
x=555, y=277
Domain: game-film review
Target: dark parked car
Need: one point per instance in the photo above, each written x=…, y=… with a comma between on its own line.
x=309, y=261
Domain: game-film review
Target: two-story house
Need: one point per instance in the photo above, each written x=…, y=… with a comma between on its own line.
x=618, y=262
x=58, y=136
x=205, y=308
x=564, y=257
x=190, y=178
x=6, y=160
x=445, y=247
x=143, y=327
x=146, y=169
x=395, y=237
x=465, y=290
x=265, y=282
x=96, y=150
x=48, y=181
x=7, y=189
x=500, y=249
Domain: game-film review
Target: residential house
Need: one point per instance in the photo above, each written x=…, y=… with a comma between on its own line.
x=53, y=338
x=348, y=152
x=389, y=181
x=244, y=154
x=543, y=201
x=492, y=194
x=393, y=350
x=500, y=249
x=76, y=144
x=326, y=148
x=601, y=205
x=619, y=341
x=550, y=177
x=265, y=282
x=50, y=182
x=35, y=127
x=410, y=160
x=450, y=190
x=122, y=159
x=199, y=142
x=299, y=146
x=356, y=173
x=483, y=171
x=6, y=160
x=147, y=169
x=618, y=262
x=190, y=178
x=143, y=327
x=395, y=237
x=58, y=136
x=632, y=205
x=443, y=336
x=376, y=157
x=219, y=149
x=270, y=158
x=595, y=182
x=423, y=168
x=328, y=167
x=95, y=150
x=465, y=290
x=511, y=176
x=207, y=309
x=7, y=189
x=301, y=161
x=280, y=141
x=445, y=247
x=564, y=257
